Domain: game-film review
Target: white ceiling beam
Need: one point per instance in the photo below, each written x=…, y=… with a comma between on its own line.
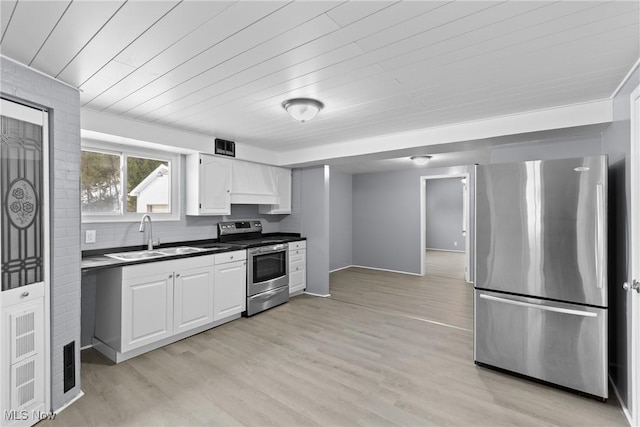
x=569, y=116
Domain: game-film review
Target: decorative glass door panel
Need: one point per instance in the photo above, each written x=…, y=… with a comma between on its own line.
x=21, y=192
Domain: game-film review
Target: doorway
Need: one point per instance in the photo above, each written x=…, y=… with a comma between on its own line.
x=444, y=221
x=25, y=258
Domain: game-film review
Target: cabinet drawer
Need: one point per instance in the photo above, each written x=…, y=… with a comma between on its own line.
x=302, y=244
x=300, y=266
x=297, y=256
x=230, y=257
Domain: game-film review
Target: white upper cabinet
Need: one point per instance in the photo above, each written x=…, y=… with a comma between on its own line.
x=253, y=183
x=214, y=183
x=283, y=188
x=208, y=185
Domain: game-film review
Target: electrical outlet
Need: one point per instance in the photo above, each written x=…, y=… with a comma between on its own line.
x=90, y=236
x=455, y=243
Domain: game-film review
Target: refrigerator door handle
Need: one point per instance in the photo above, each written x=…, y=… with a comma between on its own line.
x=599, y=236
x=540, y=307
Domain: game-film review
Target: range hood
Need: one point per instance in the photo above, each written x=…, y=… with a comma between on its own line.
x=253, y=184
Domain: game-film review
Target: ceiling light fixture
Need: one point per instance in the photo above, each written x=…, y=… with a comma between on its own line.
x=302, y=109
x=420, y=160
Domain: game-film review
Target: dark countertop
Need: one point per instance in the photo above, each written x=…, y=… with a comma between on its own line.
x=93, y=260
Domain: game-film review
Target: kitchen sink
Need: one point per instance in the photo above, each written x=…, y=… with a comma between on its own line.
x=180, y=250
x=134, y=256
x=156, y=253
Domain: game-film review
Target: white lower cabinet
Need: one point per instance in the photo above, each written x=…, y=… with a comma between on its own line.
x=193, y=298
x=297, y=267
x=147, y=310
x=230, y=285
x=145, y=306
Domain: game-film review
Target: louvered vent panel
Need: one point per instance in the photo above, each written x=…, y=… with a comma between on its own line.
x=24, y=378
x=25, y=336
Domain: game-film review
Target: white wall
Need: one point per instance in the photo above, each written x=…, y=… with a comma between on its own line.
x=314, y=222
x=340, y=219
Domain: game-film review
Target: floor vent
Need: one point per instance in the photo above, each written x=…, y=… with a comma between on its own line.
x=69, y=363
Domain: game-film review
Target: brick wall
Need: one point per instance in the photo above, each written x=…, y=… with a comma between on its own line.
x=63, y=103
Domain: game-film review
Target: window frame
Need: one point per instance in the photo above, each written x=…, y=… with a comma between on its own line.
x=125, y=151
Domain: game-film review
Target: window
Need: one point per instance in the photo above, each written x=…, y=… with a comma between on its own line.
x=122, y=184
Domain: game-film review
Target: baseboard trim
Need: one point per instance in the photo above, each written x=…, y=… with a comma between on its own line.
x=69, y=403
x=317, y=295
x=385, y=269
x=445, y=250
x=625, y=411
x=341, y=268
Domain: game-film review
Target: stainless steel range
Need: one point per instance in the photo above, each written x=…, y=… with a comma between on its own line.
x=267, y=264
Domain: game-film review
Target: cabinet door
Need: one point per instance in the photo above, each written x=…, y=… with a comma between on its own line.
x=215, y=185
x=297, y=270
x=147, y=310
x=230, y=289
x=283, y=188
x=297, y=280
x=193, y=298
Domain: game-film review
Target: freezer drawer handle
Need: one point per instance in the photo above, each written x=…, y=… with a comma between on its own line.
x=540, y=307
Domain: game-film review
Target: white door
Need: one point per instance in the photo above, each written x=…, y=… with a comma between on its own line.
x=634, y=256
x=215, y=185
x=24, y=256
x=193, y=298
x=147, y=310
x=230, y=289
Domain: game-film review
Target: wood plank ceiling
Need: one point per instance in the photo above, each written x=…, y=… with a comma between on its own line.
x=223, y=68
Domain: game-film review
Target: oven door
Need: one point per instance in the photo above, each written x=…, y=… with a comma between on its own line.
x=268, y=268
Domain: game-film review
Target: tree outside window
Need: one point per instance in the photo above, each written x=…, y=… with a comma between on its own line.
x=148, y=184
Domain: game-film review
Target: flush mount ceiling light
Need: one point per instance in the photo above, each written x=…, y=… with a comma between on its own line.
x=302, y=109
x=420, y=160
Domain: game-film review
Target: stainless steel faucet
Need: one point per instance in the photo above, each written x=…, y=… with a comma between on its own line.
x=150, y=242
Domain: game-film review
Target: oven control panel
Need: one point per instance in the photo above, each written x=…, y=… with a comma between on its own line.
x=239, y=227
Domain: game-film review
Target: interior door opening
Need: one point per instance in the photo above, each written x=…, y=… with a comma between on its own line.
x=445, y=245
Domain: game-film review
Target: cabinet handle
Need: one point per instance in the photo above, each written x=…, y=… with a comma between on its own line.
x=170, y=276
x=178, y=275
x=24, y=294
x=231, y=257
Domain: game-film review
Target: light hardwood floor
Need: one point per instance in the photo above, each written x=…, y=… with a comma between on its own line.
x=384, y=349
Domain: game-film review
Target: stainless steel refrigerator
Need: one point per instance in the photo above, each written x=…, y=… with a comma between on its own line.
x=540, y=302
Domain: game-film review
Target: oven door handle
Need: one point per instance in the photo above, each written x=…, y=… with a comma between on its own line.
x=269, y=294
x=268, y=249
